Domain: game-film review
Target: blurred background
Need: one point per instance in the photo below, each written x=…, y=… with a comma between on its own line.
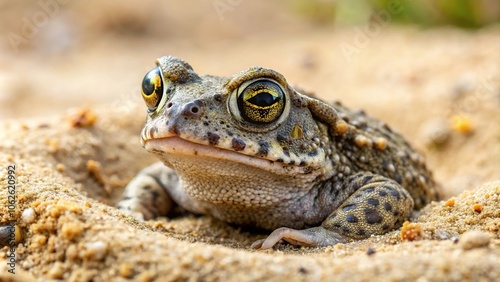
x=61, y=53
x=430, y=68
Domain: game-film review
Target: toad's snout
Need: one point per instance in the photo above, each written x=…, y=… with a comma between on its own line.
x=193, y=109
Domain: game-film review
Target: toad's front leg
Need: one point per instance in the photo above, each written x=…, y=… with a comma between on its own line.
x=146, y=196
x=378, y=205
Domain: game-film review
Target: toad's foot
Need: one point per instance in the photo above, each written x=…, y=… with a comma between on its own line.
x=312, y=237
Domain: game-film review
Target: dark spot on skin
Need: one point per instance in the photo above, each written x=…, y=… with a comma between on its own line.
x=361, y=232
x=367, y=178
x=313, y=153
x=385, y=227
x=283, y=139
x=303, y=270
x=351, y=218
x=292, y=162
x=345, y=230
x=337, y=225
x=264, y=148
x=393, y=192
x=156, y=151
x=348, y=207
x=382, y=193
x=238, y=144
x=308, y=170
x=286, y=152
x=280, y=160
x=205, y=123
x=396, y=212
x=386, y=127
x=155, y=129
x=174, y=129
x=213, y=139
x=387, y=207
x=372, y=216
x=229, y=133
x=372, y=201
x=302, y=163
x=222, y=122
x=217, y=97
x=356, y=184
x=368, y=190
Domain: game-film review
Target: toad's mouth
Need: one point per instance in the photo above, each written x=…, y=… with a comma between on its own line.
x=166, y=147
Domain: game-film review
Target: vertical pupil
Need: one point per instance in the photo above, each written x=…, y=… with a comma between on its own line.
x=263, y=99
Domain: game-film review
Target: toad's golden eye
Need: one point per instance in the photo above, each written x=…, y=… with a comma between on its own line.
x=262, y=101
x=152, y=89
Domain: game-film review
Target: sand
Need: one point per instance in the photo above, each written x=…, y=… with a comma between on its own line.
x=75, y=145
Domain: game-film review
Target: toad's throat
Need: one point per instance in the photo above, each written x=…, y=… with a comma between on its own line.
x=168, y=147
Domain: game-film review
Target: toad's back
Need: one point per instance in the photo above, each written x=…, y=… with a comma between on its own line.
x=371, y=145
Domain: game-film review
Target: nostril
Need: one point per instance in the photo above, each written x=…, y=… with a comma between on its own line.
x=192, y=109
x=169, y=105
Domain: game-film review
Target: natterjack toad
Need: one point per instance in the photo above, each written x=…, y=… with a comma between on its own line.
x=251, y=150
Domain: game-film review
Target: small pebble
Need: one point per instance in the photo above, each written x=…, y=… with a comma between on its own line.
x=461, y=124
x=411, y=231
x=370, y=251
x=9, y=233
x=474, y=239
x=5, y=232
x=28, y=216
x=126, y=270
x=436, y=133
x=450, y=202
x=477, y=208
x=96, y=250
x=57, y=271
x=83, y=117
